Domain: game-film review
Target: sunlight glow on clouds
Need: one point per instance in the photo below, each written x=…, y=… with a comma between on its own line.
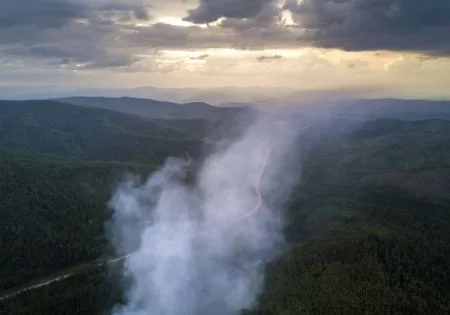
x=176, y=21
x=309, y=44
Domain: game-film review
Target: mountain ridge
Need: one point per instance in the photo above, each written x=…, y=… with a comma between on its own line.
x=156, y=108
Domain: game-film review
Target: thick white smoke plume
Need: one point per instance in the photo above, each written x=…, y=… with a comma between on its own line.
x=199, y=248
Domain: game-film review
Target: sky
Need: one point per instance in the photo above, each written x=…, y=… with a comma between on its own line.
x=394, y=48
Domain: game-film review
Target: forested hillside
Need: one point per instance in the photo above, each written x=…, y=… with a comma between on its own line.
x=368, y=228
x=55, y=206
x=96, y=134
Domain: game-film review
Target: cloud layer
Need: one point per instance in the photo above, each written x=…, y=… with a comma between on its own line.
x=411, y=25
x=211, y=10
x=118, y=33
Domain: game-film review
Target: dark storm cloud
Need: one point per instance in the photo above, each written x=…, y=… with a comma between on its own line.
x=211, y=10
x=269, y=58
x=138, y=11
x=40, y=13
x=103, y=33
x=267, y=18
x=409, y=25
x=43, y=14
x=353, y=25
x=82, y=32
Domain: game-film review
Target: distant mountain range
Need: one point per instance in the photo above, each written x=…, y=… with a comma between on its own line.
x=260, y=97
x=174, y=103
x=387, y=108
x=364, y=109
x=158, y=109
x=216, y=96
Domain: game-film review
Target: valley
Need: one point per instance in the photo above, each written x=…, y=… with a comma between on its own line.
x=367, y=229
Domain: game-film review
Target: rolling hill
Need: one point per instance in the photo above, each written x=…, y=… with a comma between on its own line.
x=158, y=109
x=89, y=133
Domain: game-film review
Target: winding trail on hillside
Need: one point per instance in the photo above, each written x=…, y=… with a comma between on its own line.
x=250, y=213
x=36, y=286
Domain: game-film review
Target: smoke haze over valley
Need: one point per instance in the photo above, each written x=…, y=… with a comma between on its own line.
x=201, y=247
